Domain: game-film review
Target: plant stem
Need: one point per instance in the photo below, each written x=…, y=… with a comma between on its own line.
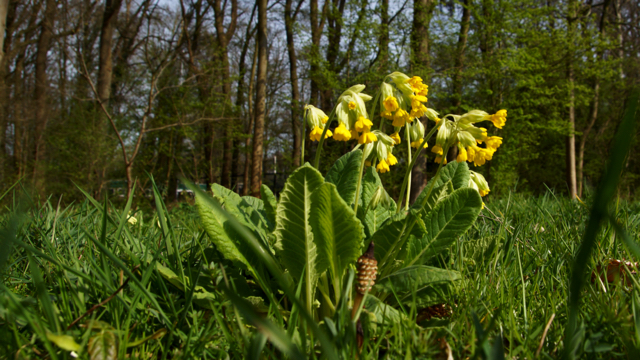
x=316, y=161
x=355, y=205
x=411, y=165
x=407, y=230
x=304, y=123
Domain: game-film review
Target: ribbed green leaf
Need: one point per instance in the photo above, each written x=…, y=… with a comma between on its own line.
x=457, y=173
x=389, y=237
x=257, y=214
x=270, y=205
x=103, y=346
x=242, y=210
x=384, y=313
x=374, y=218
x=344, y=175
x=215, y=223
x=449, y=219
x=428, y=284
x=337, y=232
x=293, y=231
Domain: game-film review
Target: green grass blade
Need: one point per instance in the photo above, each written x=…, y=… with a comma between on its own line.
x=604, y=194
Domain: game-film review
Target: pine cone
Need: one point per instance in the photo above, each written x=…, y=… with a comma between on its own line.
x=367, y=267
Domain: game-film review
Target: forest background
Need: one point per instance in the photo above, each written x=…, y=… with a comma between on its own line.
x=99, y=93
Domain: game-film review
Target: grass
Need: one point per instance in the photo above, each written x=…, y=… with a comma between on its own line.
x=515, y=262
x=84, y=282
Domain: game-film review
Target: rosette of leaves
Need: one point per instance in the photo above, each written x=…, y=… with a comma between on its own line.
x=314, y=235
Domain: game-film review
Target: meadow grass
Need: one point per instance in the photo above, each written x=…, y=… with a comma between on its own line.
x=513, y=299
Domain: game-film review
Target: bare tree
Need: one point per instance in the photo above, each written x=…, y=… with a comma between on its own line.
x=261, y=93
x=289, y=20
x=40, y=94
x=222, y=38
x=420, y=65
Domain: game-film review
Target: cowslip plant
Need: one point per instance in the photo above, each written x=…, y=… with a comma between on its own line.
x=320, y=225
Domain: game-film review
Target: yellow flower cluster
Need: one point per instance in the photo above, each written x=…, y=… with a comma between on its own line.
x=406, y=102
x=462, y=133
x=403, y=99
x=316, y=119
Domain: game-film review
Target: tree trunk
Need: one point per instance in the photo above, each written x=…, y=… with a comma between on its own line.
x=459, y=61
x=248, y=130
x=585, y=134
x=223, y=37
x=571, y=138
x=40, y=96
x=4, y=91
x=4, y=8
x=261, y=94
x=383, y=40
x=334, y=37
x=105, y=69
x=317, y=21
x=594, y=107
x=289, y=21
x=420, y=65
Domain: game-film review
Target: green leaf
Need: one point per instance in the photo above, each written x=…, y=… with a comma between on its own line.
x=337, y=232
x=438, y=194
x=385, y=314
x=293, y=231
x=215, y=223
x=344, y=175
x=457, y=173
x=388, y=239
x=449, y=219
x=204, y=299
x=270, y=204
x=170, y=276
x=374, y=218
x=257, y=213
x=103, y=346
x=426, y=282
x=64, y=342
x=242, y=210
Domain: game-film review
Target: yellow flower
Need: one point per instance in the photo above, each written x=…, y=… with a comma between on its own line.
x=417, y=100
x=367, y=137
x=478, y=182
x=342, y=134
x=391, y=159
x=396, y=138
x=437, y=149
x=499, y=119
x=354, y=134
x=390, y=103
x=315, y=116
x=462, y=154
x=493, y=142
x=352, y=105
x=316, y=133
x=363, y=124
x=387, y=115
x=481, y=156
x=400, y=118
x=415, y=144
x=417, y=86
x=382, y=167
x=439, y=159
x=470, y=154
